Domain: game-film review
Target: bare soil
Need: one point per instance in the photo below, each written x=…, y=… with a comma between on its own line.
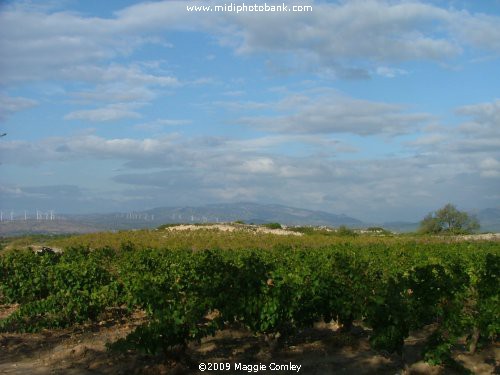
x=323, y=349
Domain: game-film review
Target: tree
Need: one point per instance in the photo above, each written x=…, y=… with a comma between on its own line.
x=449, y=220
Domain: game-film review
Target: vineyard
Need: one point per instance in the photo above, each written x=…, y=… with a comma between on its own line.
x=192, y=285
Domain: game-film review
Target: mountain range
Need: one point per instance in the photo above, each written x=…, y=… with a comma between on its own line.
x=489, y=219
x=212, y=213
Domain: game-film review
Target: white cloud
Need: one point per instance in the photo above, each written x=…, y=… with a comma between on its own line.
x=90, y=146
x=114, y=93
x=10, y=105
x=341, y=39
x=259, y=165
x=481, y=134
x=485, y=118
x=429, y=140
x=41, y=44
x=490, y=167
x=133, y=75
x=470, y=148
x=326, y=112
x=160, y=124
x=212, y=169
x=38, y=44
x=382, y=31
x=387, y=72
x=111, y=112
x=117, y=83
x=480, y=31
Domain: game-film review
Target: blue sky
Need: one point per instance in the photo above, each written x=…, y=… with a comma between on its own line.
x=382, y=110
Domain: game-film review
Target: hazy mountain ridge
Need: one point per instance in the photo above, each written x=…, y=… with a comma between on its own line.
x=247, y=212
x=489, y=219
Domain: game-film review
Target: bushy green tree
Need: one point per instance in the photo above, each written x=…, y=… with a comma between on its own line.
x=449, y=220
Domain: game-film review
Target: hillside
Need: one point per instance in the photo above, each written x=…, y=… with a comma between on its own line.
x=247, y=212
x=252, y=213
x=489, y=219
x=214, y=213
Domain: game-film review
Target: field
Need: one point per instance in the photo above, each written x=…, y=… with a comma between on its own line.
x=166, y=300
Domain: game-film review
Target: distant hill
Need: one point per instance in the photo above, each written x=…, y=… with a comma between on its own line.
x=489, y=218
x=212, y=213
x=247, y=212
x=59, y=226
x=401, y=226
x=252, y=213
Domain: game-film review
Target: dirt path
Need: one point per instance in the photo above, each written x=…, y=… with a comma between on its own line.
x=319, y=350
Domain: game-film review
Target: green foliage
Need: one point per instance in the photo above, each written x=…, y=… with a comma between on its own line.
x=303, y=230
x=275, y=286
x=345, y=231
x=375, y=229
x=488, y=298
x=320, y=232
x=449, y=220
x=56, y=291
x=378, y=230
x=25, y=276
x=273, y=226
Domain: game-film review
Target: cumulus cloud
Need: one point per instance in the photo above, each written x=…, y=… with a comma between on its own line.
x=10, y=105
x=480, y=31
x=331, y=112
x=113, y=93
x=160, y=124
x=481, y=134
x=347, y=39
x=383, y=31
x=485, y=118
x=328, y=38
x=211, y=169
x=472, y=147
x=60, y=199
x=40, y=44
x=259, y=165
x=117, y=83
x=337, y=35
x=490, y=167
x=111, y=112
x=88, y=146
x=332, y=29
x=387, y=72
x=370, y=189
x=117, y=73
